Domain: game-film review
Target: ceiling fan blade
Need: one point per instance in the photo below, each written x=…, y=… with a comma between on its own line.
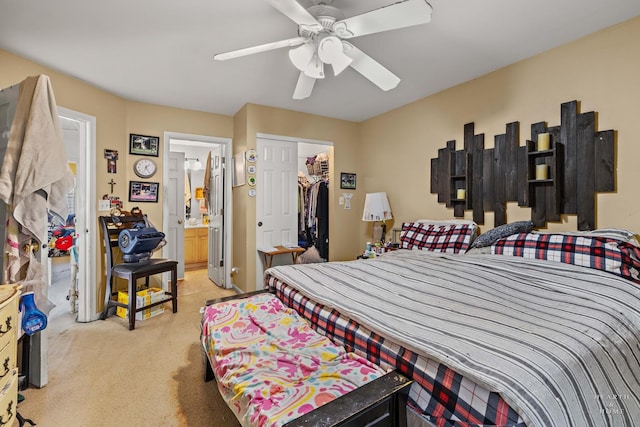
x=403, y=14
x=260, y=48
x=370, y=68
x=297, y=13
x=304, y=87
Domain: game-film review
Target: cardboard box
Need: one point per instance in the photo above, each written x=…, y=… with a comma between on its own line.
x=144, y=297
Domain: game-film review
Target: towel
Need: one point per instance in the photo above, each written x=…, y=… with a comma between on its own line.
x=187, y=190
x=35, y=176
x=35, y=173
x=206, y=183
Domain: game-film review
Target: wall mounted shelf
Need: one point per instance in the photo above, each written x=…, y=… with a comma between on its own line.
x=580, y=164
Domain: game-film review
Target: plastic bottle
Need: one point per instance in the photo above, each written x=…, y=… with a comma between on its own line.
x=33, y=320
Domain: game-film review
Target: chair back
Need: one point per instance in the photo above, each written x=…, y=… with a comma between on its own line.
x=111, y=227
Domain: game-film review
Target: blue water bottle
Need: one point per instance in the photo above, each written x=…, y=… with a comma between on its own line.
x=33, y=320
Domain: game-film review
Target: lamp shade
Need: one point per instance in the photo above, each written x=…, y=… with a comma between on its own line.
x=376, y=207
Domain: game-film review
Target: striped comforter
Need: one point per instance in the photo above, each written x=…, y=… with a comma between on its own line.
x=560, y=343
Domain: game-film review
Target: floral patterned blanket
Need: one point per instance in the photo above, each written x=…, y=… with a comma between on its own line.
x=270, y=366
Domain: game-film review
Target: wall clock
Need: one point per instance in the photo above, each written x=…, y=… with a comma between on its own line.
x=145, y=168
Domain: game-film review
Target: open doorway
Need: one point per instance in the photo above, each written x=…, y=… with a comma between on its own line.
x=198, y=209
x=84, y=148
x=62, y=255
x=71, y=241
x=292, y=175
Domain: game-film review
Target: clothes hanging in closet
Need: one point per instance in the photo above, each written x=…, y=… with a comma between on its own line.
x=313, y=214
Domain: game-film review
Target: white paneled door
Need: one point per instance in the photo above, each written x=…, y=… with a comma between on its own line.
x=216, y=254
x=276, y=198
x=8, y=104
x=176, y=198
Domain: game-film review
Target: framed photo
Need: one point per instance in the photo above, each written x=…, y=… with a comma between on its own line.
x=140, y=191
x=347, y=181
x=238, y=165
x=144, y=145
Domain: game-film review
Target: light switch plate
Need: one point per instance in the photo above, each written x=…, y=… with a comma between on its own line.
x=104, y=205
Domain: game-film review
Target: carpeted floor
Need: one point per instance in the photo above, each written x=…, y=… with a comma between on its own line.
x=102, y=374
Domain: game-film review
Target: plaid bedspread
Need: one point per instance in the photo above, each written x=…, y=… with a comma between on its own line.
x=559, y=343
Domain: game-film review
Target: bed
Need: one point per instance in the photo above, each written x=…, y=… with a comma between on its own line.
x=509, y=328
x=531, y=329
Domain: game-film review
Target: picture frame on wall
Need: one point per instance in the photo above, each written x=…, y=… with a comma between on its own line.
x=347, y=181
x=142, y=191
x=144, y=145
x=238, y=169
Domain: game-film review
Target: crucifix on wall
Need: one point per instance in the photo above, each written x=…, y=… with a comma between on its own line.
x=111, y=183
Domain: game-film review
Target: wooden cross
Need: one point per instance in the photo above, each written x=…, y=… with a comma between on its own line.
x=111, y=183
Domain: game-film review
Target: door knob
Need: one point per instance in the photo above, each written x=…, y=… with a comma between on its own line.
x=259, y=223
x=179, y=221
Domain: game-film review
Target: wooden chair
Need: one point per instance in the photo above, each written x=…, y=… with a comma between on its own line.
x=132, y=271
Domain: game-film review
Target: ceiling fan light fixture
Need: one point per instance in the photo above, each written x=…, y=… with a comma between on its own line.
x=301, y=55
x=322, y=34
x=331, y=51
x=315, y=68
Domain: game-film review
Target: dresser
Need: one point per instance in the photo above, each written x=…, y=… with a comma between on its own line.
x=9, y=333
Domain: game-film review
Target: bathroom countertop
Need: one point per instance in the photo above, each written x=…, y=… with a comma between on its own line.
x=196, y=225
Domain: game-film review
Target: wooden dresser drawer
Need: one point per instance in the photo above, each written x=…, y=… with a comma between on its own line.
x=9, y=399
x=9, y=330
x=8, y=361
x=8, y=316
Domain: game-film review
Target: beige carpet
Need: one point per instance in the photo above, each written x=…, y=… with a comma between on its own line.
x=102, y=374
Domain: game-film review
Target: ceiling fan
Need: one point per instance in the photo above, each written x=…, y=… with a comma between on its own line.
x=322, y=35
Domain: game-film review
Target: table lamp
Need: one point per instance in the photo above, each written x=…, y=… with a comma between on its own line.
x=377, y=208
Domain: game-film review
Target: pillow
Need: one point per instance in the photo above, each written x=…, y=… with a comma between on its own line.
x=490, y=237
x=611, y=233
x=600, y=253
x=310, y=256
x=447, y=221
x=451, y=238
x=436, y=222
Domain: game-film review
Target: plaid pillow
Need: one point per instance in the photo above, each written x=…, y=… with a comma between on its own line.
x=452, y=238
x=601, y=253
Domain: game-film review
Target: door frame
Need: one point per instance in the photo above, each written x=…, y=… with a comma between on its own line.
x=295, y=140
x=228, y=200
x=86, y=210
x=39, y=367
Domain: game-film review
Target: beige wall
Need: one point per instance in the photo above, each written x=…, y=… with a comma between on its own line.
x=344, y=135
x=392, y=152
x=148, y=119
x=115, y=119
x=600, y=71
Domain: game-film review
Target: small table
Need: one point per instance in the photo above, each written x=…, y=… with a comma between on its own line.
x=278, y=250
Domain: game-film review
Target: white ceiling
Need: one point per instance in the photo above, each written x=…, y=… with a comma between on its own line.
x=160, y=51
